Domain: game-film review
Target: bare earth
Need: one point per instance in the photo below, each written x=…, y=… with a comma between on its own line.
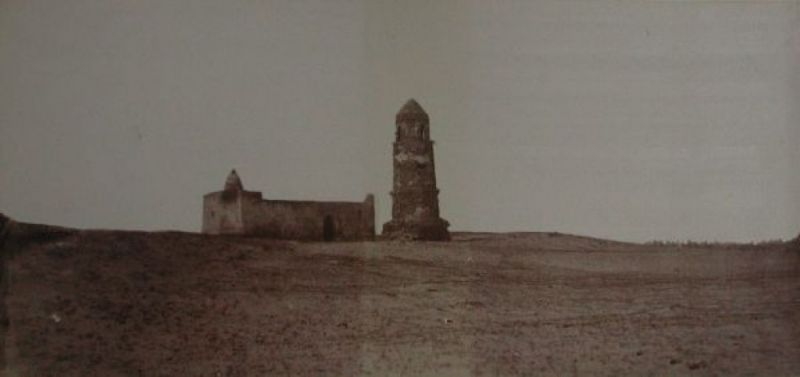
x=114, y=303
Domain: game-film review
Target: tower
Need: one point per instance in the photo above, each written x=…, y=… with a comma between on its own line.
x=233, y=183
x=222, y=210
x=415, y=197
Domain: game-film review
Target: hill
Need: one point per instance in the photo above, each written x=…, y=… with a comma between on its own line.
x=119, y=303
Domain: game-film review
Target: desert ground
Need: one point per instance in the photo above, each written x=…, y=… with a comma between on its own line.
x=119, y=303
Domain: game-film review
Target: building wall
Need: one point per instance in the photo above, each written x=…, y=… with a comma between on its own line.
x=222, y=213
x=246, y=213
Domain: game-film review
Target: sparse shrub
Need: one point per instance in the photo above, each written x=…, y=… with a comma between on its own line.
x=761, y=245
x=794, y=245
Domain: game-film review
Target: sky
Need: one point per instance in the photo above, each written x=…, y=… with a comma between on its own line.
x=618, y=119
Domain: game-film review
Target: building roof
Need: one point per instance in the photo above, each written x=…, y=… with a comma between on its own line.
x=411, y=110
x=233, y=182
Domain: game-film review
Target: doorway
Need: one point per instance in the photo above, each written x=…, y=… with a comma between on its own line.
x=328, y=229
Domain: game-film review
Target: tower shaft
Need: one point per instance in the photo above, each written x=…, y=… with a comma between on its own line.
x=415, y=196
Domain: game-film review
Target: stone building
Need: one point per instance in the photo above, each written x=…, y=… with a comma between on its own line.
x=415, y=197
x=237, y=211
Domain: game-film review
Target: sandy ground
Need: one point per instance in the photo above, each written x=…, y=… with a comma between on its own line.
x=109, y=303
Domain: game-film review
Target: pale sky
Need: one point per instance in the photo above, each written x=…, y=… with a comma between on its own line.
x=626, y=120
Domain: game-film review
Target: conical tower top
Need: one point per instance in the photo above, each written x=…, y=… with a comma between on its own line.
x=411, y=111
x=233, y=182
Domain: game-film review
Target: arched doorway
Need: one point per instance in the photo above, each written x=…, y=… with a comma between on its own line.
x=328, y=229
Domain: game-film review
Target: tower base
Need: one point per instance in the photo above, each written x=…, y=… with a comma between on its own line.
x=428, y=230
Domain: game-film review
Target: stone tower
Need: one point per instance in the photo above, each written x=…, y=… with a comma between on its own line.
x=415, y=197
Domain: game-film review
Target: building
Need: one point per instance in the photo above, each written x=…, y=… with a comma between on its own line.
x=239, y=212
x=415, y=200
x=415, y=197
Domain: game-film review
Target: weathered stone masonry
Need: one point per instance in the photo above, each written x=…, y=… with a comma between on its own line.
x=415, y=200
x=415, y=197
x=236, y=211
